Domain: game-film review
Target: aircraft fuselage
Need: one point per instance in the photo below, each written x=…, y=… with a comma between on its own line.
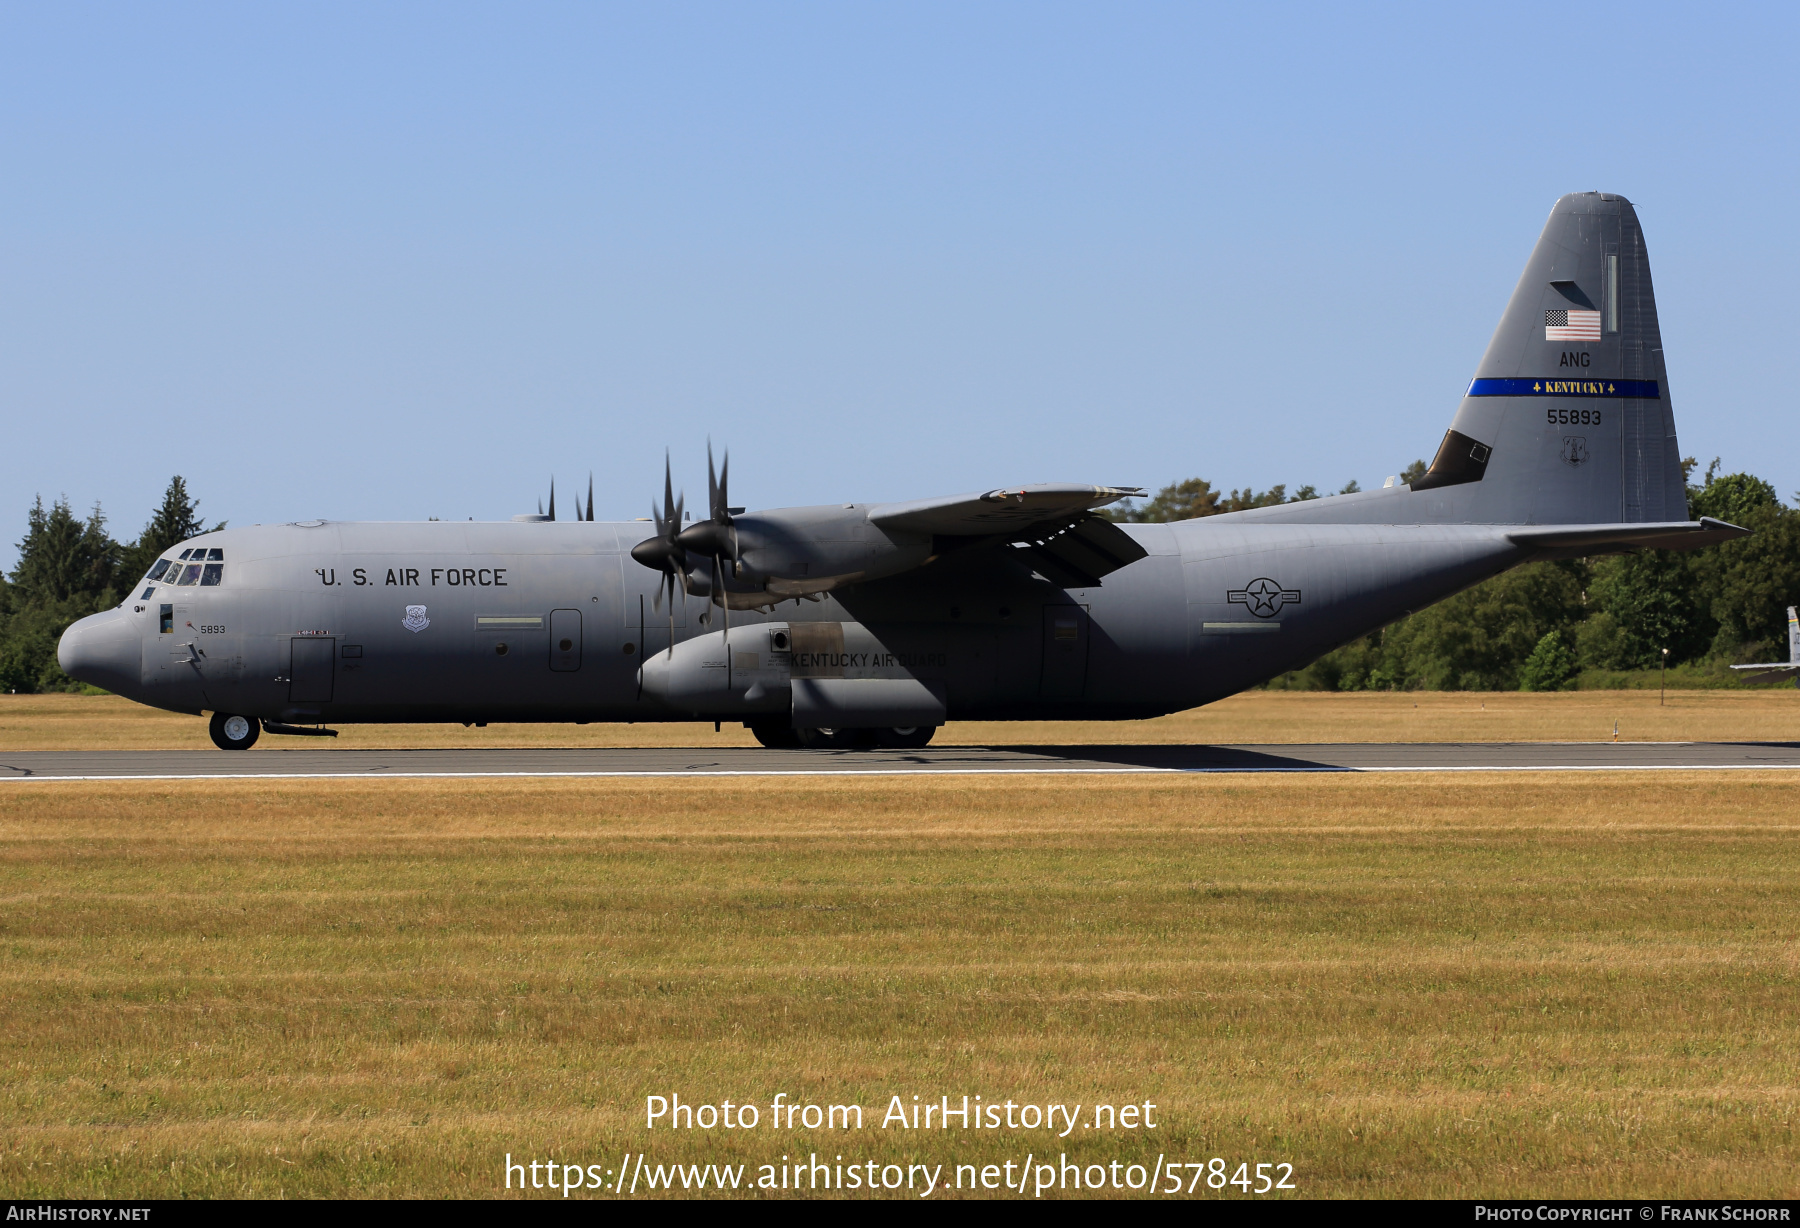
x=463, y=621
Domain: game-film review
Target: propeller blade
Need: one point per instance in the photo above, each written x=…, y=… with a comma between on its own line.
x=723, y=514
x=712, y=484
x=553, y=498
x=725, y=605
x=590, y=514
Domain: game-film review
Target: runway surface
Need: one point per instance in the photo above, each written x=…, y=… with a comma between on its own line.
x=322, y=763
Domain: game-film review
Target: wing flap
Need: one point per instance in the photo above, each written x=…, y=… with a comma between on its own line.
x=1078, y=554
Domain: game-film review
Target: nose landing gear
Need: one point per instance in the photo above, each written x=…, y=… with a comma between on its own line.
x=232, y=732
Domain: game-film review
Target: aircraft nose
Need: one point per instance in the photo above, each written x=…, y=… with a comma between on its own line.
x=101, y=650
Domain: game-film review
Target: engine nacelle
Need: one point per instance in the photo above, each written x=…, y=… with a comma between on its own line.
x=697, y=677
x=792, y=552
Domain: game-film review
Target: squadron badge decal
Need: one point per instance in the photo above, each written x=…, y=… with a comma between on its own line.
x=415, y=619
x=1264, y=597
x=1574, y=450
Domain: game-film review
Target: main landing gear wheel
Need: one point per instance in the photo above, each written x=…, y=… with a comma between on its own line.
x=906, y=737
x=838, y=739
x=232, y=732
x=775, y=734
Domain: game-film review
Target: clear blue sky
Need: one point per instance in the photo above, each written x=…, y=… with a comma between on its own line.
x=386, y=262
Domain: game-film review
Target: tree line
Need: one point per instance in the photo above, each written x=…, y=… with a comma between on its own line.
x=1544, y=626
x=1583, y=622
x=69, y=568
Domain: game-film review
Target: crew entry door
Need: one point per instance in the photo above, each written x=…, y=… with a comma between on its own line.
x=565, y=640
x=311, y=669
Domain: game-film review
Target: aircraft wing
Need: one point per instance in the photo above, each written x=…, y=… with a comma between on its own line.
x=1669, y=535
x=1773, y=670
x=1052, y=526
x=997, y=511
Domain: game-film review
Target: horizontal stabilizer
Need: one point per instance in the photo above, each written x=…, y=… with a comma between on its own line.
x=1669, y=535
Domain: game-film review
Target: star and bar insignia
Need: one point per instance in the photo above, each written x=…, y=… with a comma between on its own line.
x=1264, y=597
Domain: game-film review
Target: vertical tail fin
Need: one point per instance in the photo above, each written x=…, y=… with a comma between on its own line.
x=1567, y=420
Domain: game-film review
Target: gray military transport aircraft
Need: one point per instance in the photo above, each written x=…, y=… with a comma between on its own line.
x=857, y=624
x=1781, y=671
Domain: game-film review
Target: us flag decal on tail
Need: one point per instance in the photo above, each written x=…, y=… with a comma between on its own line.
x=1571, y=326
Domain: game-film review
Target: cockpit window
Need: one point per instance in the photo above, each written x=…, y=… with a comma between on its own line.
x=202, y=565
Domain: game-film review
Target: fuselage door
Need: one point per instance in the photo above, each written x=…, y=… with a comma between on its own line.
x=565, y=640
x=313, y=665
x=1065, y=652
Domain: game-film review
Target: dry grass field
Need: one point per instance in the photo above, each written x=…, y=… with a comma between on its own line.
x=1528, y=985
x=81, y=722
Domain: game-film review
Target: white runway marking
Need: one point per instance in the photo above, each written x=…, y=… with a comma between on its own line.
x=1049, y=770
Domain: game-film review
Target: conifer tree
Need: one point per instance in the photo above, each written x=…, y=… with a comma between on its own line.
x=62, y=558
x=171, y=524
